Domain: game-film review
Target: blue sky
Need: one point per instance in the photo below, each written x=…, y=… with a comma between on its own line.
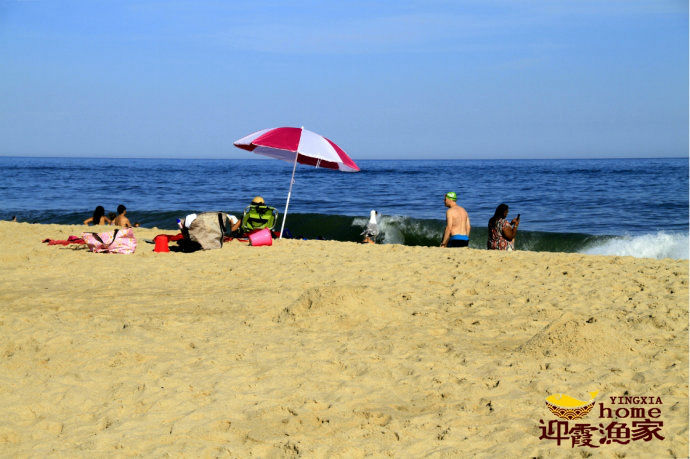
x=395, y=79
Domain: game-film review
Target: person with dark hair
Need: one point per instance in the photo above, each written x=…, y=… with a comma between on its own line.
x=501, y=232
x=457, y=233
x=98, y=217
x=121, y=219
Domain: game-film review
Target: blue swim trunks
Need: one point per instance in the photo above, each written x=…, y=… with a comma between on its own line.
x=458, y=240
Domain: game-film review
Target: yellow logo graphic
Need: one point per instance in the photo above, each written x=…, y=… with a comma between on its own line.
x=567, y=407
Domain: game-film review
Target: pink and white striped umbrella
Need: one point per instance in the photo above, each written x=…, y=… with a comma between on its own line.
x=297, y=145
x=311, y=148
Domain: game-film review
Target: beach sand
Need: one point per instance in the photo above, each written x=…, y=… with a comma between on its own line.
x=326, y=348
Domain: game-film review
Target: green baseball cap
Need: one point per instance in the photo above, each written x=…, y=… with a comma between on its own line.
x=452, y=196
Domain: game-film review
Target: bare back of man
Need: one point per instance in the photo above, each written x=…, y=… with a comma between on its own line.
x=458, y=220
x=457, y=224
x=121, y=220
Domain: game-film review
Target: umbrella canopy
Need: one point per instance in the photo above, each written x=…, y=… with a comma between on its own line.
x=297, y=145
x=311, y=148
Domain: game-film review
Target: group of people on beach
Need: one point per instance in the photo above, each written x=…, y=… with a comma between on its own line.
x=457, y=234
x=119, y=219
x=501, y=232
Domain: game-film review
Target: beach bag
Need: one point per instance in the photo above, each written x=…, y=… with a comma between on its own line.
x=119, y=241
x=204, y=233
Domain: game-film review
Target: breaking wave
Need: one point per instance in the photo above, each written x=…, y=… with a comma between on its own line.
x=657, y=245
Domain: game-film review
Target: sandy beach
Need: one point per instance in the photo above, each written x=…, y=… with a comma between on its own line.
x=322, y=348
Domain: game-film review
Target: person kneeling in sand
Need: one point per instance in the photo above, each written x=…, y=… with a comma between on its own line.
x=457, y=233
x=121, y=219
x=231, y=222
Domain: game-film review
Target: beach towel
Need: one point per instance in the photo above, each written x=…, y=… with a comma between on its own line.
x=120, y=241
x=171, y=237
x=68, y=241
x=180, y=237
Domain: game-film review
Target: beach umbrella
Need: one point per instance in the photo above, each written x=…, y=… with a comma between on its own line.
x=297, y=145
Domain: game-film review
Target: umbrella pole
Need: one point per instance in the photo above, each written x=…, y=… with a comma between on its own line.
x=287, y=204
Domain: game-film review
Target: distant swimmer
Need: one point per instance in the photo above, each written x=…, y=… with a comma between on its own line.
x=98, y=217
x=371, y=232
x=121, y=219
x=457, y=233
x=501, y=232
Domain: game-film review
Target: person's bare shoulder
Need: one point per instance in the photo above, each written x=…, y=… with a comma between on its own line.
x=121, y=221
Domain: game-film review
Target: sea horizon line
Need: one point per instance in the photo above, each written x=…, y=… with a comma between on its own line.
x=259, y=158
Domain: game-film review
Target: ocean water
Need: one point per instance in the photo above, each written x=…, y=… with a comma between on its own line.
x=635, y=207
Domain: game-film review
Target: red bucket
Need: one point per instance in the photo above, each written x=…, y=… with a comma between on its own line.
x=161, y=243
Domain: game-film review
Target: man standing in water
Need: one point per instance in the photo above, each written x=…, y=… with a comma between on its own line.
x=457, y=232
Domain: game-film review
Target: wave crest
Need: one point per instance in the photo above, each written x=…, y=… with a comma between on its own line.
x=656, y=245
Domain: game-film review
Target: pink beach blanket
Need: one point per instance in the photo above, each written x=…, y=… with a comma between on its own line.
x=120, y=241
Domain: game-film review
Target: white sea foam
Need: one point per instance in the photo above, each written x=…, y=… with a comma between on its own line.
x=392, y=227
x=657, y=245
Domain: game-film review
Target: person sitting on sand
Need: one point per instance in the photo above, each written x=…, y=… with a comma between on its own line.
x=231, y=222
x=457, y=233
x=121, y=219
x=256, y=216
x=501, y=232
x=98, y=217
x=371, y=232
